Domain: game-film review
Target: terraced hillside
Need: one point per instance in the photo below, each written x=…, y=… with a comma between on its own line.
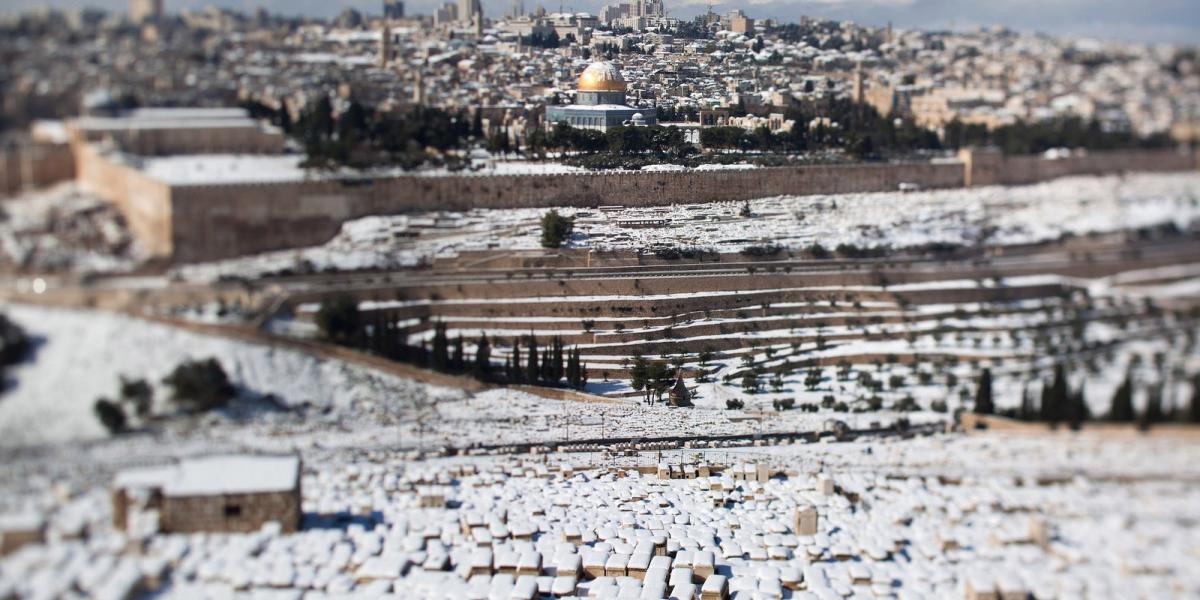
x=913, y=331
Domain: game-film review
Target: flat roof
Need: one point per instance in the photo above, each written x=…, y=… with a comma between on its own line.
x=216, y=475
x=207, y=169
x=126, y=123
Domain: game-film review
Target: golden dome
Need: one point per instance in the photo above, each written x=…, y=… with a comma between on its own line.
x=601, y=77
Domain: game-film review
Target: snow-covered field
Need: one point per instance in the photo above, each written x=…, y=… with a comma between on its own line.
x=990, y=215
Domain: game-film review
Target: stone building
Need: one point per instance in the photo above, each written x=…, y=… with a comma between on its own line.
x=600, y=102
x=219, y=493
x=170, y=131
x=679, y=394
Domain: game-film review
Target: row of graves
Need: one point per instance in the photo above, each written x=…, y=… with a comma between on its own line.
x=549, y=527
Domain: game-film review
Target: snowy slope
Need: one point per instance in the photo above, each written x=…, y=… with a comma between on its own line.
x=80, y=356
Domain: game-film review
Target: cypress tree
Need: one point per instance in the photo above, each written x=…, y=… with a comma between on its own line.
x=532, y=373
x=1193, y=412
x=558, y=358
x=423, y=354
x=514, y=376
x=441, y=348
x=1056, y=397
x=1153, y=413
x=983, y=397
x=1121, y=410
x=459, y=363
x=1078, y=409
x=1028, y=413
x=483, y=358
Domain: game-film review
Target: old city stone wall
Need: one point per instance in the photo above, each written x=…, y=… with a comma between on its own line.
x=198, y=223
x=144, y=202
x=34, y=165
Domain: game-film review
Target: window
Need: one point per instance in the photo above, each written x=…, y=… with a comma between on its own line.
x=232, y=511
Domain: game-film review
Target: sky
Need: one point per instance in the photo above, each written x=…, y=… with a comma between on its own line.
x=1147, y=21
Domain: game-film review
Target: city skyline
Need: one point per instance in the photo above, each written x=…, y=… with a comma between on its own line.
x=1166, y=21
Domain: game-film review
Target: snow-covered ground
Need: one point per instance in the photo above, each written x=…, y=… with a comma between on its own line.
x=990, y=215
x=64, y=228
x=79, y=356
x=1053, y=516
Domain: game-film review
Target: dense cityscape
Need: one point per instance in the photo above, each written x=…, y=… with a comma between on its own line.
x=526, y=304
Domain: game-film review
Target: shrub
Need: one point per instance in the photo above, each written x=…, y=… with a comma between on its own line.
x=734, y=404
x=907, y=404
x=200, y=385
x=938, y=406
x=138, y=393
x=841, y=407
x=339, y=321
x=555, y=229
x=111, y=415
x=759, y=251
x=784, y=404
x=14, y=343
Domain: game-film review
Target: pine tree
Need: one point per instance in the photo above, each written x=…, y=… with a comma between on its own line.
x=483, y=358
x=532, y=373
x=639, y=376
x=983, y=397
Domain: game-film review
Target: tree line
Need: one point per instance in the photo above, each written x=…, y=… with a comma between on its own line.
x=340, y=322
x=1034, y=137
x=1060, y=404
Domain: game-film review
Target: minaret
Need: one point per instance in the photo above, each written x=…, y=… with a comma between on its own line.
x=418, y=97
x=858, y=83
x=385, y=45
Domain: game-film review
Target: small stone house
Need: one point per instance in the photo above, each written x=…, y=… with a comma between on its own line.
x=212, y=494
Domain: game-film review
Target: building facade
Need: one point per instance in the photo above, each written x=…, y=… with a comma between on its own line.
x=393, y=9
x=141, y=11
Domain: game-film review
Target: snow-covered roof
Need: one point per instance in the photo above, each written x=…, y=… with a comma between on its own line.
x=218, y=475
x=202, y=169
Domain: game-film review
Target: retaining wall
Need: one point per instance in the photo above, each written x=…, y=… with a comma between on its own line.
x=211, y=222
